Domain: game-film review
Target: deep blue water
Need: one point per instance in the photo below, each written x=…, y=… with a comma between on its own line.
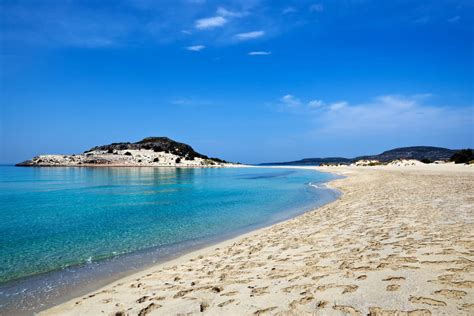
x=54, y=218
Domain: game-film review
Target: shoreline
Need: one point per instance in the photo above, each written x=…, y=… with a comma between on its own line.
x=147, y=259
x=228, y=165
x=383, y=269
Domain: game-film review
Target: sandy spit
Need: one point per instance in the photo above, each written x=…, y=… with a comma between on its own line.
x=400, y=241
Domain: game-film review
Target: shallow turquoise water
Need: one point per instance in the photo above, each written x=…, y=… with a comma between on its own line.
x=51, y=218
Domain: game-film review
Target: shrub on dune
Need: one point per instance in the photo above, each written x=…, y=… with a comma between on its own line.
x=463, y=156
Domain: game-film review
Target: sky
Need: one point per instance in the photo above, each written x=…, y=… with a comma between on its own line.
x=248, y=81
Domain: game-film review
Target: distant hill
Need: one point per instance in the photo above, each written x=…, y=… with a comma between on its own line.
x=415, y=152
x=310, y=161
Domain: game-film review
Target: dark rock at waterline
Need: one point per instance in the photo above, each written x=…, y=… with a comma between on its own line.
x=26, y=163
x=96, y=161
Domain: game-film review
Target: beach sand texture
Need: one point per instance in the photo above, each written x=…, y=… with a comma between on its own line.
x=398, y=242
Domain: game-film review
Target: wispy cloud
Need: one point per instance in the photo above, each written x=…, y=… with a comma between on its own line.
x=190, y=101
x=336, y=106
x=294, y=103
x=195, y=48
x=210, y=23
x=143, y=22
x=389, y=116
x=249, y=35
x=290, y=101
x=228, y=13
x=259, y=53
x=314, y=104
x=393, y=101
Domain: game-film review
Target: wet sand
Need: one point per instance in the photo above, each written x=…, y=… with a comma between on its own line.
x=400, y=241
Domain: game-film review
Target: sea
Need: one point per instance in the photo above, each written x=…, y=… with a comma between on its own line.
x=67, y=231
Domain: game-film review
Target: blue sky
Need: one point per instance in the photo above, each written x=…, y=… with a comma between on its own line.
x=250, y=81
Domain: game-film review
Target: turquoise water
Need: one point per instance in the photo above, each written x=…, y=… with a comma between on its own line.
x=52, y=218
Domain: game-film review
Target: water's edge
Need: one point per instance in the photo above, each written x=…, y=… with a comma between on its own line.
x=37, y=293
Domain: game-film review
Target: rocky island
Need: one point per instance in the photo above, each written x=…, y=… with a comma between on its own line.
x=149, y=152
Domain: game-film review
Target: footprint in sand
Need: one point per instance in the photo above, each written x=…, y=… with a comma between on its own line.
x=301, y=301
x=142, y=299
x=226, y=302
x=468, y=306
x=375, y=311
x=259, y=291
x=347, y=288
x=182, y=293
x=148, y=309
x=322, y=304
x=203, y=306
x=393, y=287
x=394, y=278
x=426, y=300
x=232, y=293
x=349, y=310
x=456, y=294
x=264, y=311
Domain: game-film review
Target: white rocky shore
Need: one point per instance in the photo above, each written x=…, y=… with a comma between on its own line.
x=396, y=163
x=124, y=158
x=149, y=152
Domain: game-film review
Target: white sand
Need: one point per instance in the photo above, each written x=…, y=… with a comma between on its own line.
x=400, y=241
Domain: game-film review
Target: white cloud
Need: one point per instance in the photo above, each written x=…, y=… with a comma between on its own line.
x=290, y=100
x=338, y=106
x=190, y=101
x=317, y=7
x=395, y=120
x=314, y=104
x=210, y=23
x=392, y=114
x=259, y=53
x=454, y=19
x=234, y=14
x=249, y=35
x=196, y=48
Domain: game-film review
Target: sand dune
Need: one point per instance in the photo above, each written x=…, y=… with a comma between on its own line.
x=400, y=241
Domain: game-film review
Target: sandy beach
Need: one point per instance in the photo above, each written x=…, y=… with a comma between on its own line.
x=399, y=241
